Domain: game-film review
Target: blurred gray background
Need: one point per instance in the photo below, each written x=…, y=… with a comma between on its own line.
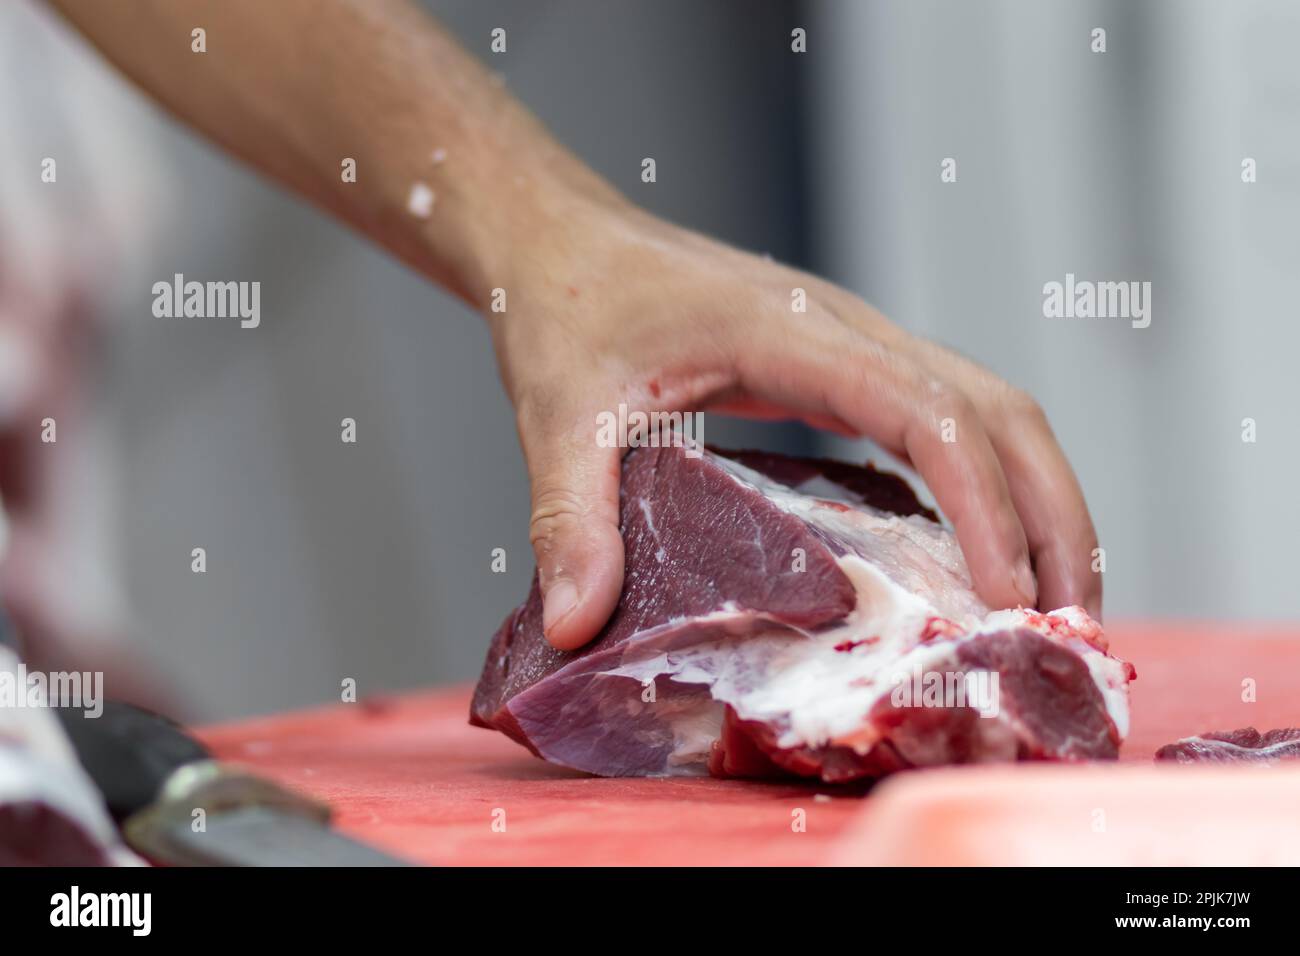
x=371, y=561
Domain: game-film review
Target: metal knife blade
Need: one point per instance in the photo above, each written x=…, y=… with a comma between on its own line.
x=180, y=807
x=254, y=836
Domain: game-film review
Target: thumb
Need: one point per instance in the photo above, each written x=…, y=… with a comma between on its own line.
x=574, y=526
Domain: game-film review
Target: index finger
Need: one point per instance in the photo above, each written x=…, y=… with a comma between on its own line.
x=829, y=369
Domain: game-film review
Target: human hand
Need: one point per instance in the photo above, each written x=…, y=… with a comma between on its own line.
x=609, y=305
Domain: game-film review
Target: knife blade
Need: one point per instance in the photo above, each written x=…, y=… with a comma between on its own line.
x=179, y=806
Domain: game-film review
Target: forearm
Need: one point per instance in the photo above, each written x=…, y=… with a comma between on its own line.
x=296, y=86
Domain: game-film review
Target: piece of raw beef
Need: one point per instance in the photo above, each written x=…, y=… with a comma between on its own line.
x=1232, y=746
x=50, y=812
x=788, y=615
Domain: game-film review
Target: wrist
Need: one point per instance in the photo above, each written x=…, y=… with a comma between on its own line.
x=544, y=236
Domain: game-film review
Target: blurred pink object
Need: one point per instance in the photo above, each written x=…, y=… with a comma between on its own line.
x=66, y=251
x=1079, y=815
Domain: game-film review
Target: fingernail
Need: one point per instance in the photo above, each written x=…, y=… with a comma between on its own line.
x=558, y=603
x=1022, y=579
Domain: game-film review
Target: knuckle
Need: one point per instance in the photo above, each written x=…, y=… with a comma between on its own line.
x=1020, y=405
x=553, y=510
x=943, y=400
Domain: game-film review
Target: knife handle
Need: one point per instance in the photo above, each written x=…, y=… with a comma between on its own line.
x=129, y=753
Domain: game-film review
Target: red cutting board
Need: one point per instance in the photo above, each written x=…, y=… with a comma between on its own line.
x=409, y=775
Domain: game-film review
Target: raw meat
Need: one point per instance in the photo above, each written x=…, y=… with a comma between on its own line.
x=50, y=812
x=785, y=615
x=1230, y=746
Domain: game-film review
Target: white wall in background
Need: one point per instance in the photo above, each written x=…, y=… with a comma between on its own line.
x=1117, y=166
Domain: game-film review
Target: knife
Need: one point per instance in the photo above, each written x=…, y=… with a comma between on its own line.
x=179, y=806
